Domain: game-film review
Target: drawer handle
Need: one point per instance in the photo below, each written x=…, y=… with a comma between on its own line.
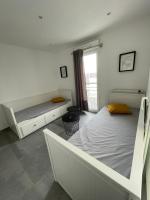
x=34, y=125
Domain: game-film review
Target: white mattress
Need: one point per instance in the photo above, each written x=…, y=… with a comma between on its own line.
x=110, y=139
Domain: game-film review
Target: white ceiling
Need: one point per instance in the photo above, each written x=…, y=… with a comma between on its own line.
x=64, y=21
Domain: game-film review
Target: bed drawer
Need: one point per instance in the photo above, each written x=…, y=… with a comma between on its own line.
x=32, y=126
x=52, y=115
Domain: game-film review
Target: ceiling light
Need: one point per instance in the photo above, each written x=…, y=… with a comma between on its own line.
x=40, y=17
x=109, y=13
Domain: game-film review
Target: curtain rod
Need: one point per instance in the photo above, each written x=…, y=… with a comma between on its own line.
x=98, y=45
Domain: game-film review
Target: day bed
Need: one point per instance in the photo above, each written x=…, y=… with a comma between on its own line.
x=31, y=113
x=84, y=177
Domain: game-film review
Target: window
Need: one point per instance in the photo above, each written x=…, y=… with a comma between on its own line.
x=90, y=67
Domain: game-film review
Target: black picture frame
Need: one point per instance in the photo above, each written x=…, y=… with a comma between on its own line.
x=63, y=72
x=127, y=61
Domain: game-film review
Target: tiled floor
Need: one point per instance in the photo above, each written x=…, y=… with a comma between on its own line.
x=25, y=170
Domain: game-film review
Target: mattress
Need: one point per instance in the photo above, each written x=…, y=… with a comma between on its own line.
x=110, y=139
x=37, y=110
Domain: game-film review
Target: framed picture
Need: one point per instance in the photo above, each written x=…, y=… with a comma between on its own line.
x=127, y=61
x=63, y=72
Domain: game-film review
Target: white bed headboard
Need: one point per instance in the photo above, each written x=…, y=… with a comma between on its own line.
x=130, y=97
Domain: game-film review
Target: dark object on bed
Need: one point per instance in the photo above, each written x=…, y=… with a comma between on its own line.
x=71, y=122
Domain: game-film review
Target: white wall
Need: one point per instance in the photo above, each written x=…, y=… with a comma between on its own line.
x=126, y=37
x=24, y=72
x=66, y=58
x=122, y=38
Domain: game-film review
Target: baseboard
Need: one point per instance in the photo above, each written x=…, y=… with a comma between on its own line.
x=3, y=128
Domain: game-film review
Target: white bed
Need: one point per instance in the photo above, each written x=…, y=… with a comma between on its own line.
x=85, y=177
x=31, y=113
x=110, y=139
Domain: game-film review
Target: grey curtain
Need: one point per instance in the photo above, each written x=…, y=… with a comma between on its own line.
x=80, y=84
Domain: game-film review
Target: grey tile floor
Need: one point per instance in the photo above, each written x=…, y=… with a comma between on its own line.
x=25, y=169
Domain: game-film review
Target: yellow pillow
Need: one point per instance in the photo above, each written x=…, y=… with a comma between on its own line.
x=116, y=108
x=57, y=99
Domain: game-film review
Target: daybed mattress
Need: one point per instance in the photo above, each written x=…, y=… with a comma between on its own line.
x=110, y=139
x=37, y=110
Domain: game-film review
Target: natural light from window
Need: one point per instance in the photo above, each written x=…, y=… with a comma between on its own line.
x=90, y=67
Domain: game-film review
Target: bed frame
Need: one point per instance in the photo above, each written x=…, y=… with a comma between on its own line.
x=85, y=178
x=26, y=127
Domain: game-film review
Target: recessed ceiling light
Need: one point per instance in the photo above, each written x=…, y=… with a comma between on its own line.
x=40, y=17
x=109, y=13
